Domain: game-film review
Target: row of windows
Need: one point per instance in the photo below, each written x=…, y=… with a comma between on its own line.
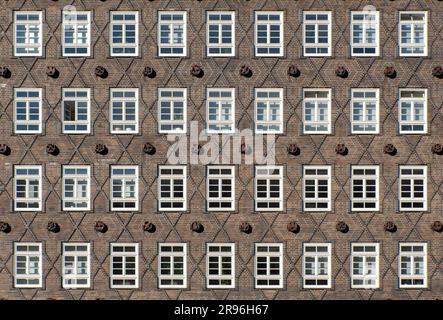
x=220, y=188
x=220, y=110
x=220, y=265
x=220, y=33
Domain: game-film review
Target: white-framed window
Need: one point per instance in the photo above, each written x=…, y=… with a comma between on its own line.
x=172, y=110
x=172, y=271
x=28, y=33
x=412, y=265
x=123, y=33
x=268, y=267
x=28, y=265
x=172, y=33
x=76, y=110
x=365, y=31
x=28, y=188
x=413, y=33
x=413, y=111
x=220, y=104
x=317, y=265
x=76, y=265
x=220, y=265
x=268, y=188
x=317, y=111
x=220, y=33
x=364, y=188
x=76, y=187
x=28, y=110
x=317, y=33
x=269, y=110
x=317, y=188
x=172, y=188
x=76, y=33
x=124, y=265
x=365, y=265
x=413, y=188
x=365, y=106
x=269, y=33
x=124, y=110
x=220, y=188
x=124, y=188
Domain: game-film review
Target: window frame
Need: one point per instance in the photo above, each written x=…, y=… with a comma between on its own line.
x=123, y=101
x=28, y=100
x=220, y=101
x=171, y=255
x=364, y=177
x=413, y=276
x=364, y=255
x=171, y=101
x=268, y=23
x=220, y=24
x=76, y=100
x=75, y=34
x=413, y=26
x=124, y=45
x=268, y=102
x=219, y=177
x=316, y=102
x=76, y=254
x=76, y=177
x=364, y=101
x=317, y=177
x=364, y=44
x=124, y=179
x=161, y=176
x=317, y=255
x=268, y=255
x=412, y=101
x=27, y=45
x=184, y=23
x=27, y=178
x=268, y=177
x=113, y=254
x=220, y=255
x=316, y=24
x=412, y=199
x=27, y=255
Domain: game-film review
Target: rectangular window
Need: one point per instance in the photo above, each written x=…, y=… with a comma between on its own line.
x=124, y=188
x=413, y=33
x=124, y=265
x=317, y=188
x=221, y=110
x=124, y=111
x=172, y=188
x=172, y=33
x=28, y=30
x=172, y=265
x=364, y=184
x=220, y=34
x=28, y=188
x=76, y=33
x=317, y=111
x=269, y=110
x=365, y=33
x=412, y=188
x=76, y=265
x=365, y=111
x=28, y=110
x=268, y=267
x=28, y=265
x=76, y=111
x=220, y=188
x=172, y=110
x=220, y=265
x=316, y=265
x=317, y=33
x=76, y=188
x=365, y=265
x=413, y=111
x=268, y=188
x=124, y=33
x=413, y=265
x=269, y=33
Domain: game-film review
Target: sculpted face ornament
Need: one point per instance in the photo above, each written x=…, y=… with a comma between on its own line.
x=293, y=149
x=437, y=226
x=342, y=227
x=197, y=71
x=4, y=149
x=53, y=227
x=390, y=72
x=5, y=72
x=245, y=227
x=341, y=72
x=149, y=148
x=293, y=71
x=390, y=226
x=5, y=227
x=390, y=149
x=101, y=72
x=52, y=72
x=437, y=148
x=149, y=227
x=101, y=227
x=245, y=71
x=293, y=227
x=101, y=149
x=149, y=72
x=52, y=149
x=341, y=149
x=437, y=72
x=197, y=227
